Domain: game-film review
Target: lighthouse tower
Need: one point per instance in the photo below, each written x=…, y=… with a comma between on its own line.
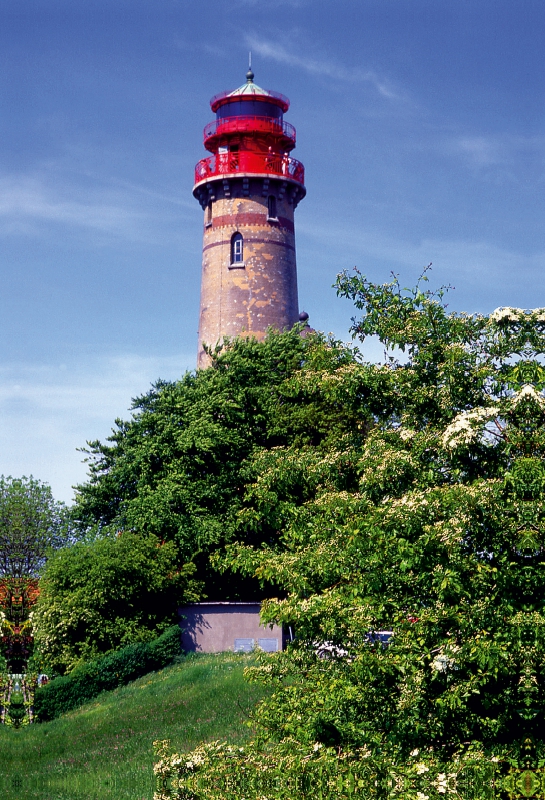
x=248, y=188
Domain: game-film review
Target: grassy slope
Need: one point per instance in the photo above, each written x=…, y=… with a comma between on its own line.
x=107, y=744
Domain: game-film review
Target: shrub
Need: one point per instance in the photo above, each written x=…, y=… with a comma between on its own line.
x=98, y=597
x=116, y=669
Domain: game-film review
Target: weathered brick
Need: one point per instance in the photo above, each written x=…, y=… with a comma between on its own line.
x=260, y=293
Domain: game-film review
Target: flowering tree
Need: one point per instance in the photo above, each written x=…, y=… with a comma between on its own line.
x=411, y=562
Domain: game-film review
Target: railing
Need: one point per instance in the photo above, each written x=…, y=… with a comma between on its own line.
x=250, y=124
x=246, y=161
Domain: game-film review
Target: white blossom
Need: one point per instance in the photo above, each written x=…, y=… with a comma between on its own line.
x=507, y=314
x=468, y=426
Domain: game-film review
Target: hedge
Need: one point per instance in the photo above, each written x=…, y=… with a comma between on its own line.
x=108, y=672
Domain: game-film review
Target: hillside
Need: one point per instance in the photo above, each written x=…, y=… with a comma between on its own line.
x=104, y=749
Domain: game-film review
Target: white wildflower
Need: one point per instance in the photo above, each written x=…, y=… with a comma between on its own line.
x=468, y=426
x=443, y=661
x=506, y=314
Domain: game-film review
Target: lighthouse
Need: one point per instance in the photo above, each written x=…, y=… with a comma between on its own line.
x=248, y=189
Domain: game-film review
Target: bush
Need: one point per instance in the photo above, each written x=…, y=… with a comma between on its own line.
x=116, y=669
x=98, y=597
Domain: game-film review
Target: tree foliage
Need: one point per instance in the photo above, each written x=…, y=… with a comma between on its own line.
x=392, y=513
x=31, y=522
x=103, y=595
x=178, y=468
x=430, y=527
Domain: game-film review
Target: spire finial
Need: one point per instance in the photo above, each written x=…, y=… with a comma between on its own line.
x=250, y=75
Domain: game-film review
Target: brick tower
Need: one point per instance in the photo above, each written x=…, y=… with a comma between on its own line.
x=248, y=188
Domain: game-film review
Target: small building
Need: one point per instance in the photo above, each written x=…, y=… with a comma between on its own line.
x=217, y=627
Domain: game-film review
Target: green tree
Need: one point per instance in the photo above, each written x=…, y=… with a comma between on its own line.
x=31, y=522
x=97, y=597
x=430, y=527
x=178, y=469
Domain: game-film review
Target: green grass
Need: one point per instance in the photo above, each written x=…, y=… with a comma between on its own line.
x=104, y=749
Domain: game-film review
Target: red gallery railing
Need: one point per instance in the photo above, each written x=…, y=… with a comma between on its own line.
x=266, y=125
x=246, y=161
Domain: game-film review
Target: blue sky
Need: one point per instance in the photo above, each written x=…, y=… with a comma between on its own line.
x=421, y=124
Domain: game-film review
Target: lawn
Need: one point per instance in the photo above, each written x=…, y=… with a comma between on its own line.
x=104, y=749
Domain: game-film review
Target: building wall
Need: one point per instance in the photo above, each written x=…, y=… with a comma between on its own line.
x=217, y=627
x=247, y=298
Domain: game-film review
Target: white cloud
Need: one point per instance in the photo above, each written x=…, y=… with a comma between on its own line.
x=495, y=149
x=481, y=267
x=482, y=151
x=26, y=198
x=323, y=67
x=123, y=210
x=48, y=411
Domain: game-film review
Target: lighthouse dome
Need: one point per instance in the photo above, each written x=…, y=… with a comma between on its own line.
x=246, y=98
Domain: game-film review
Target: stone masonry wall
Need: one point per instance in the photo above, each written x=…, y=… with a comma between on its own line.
x=247, y=298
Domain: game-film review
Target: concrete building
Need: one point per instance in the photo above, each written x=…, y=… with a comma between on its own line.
x=217, y=627
x=248, y=188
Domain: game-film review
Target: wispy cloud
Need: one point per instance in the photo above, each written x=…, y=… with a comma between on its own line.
x=481, y=270
x=122, y=210
x=23, y=199
x=322, y=67
x=498, y=149
x=480, y=150
x=48, y=411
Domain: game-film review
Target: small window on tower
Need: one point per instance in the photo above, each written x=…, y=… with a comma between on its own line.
x=271, y=211
x=237, y=249
x=208, y=215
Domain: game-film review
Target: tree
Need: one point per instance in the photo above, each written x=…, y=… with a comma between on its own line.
x=31, y=524
x=430, y=528
x=99, y=596
x=178, y=469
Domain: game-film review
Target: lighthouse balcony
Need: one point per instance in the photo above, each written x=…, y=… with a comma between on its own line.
x=246, y=162
x=268, y=126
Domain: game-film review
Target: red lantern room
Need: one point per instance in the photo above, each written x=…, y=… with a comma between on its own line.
x=249, y=188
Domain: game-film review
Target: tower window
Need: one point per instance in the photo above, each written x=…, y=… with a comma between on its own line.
x=208, y=218
x=271, y=207
x=237, y=249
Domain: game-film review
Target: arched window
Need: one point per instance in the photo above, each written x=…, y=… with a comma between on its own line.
x=237, y=249
x=208, y=214
x=271, y=209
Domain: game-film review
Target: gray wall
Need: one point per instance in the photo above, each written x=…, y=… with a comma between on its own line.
x=216, y=627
